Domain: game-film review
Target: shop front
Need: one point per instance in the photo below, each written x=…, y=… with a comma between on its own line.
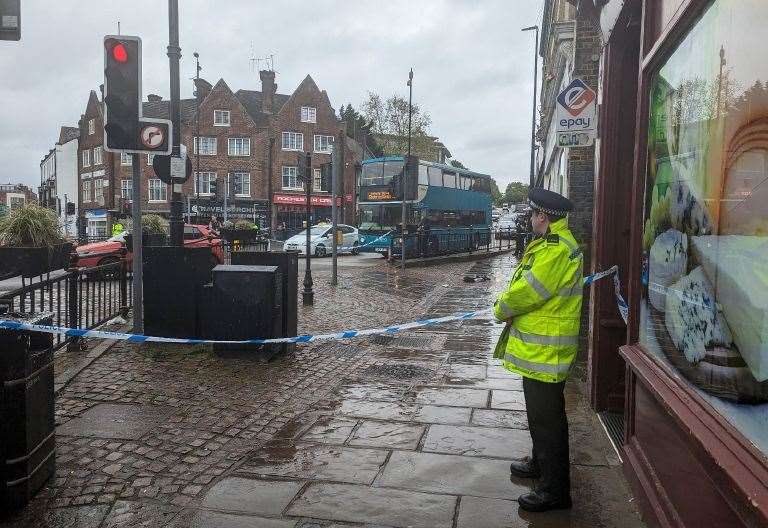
x=254, y=211
x=684, y=148
x=291, y=211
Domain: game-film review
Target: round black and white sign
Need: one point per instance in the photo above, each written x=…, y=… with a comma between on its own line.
x=152, y=136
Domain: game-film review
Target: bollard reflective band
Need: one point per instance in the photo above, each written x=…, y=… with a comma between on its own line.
x=307, y=338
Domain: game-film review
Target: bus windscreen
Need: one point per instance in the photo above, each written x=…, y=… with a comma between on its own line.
x=380, y=172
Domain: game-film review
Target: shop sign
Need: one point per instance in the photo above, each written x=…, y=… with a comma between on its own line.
x=576, y=122
x=247, y=210
x=297, y=199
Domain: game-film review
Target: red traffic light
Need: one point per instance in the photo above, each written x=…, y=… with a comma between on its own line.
x=119, y=53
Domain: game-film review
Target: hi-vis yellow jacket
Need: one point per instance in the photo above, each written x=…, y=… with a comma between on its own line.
x=542, y=307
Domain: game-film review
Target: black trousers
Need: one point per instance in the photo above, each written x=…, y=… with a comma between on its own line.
x=545, y=406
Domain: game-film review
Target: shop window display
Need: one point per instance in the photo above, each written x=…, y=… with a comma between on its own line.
x=705, y=238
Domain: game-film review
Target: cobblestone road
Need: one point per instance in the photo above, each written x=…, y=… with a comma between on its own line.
x=406, y=430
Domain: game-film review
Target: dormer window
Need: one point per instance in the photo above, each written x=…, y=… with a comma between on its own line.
x=221, y=118
x=308, y=114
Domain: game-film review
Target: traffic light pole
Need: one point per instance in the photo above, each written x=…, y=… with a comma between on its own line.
x=335, y=172
x=174, y=54
x=138, y=294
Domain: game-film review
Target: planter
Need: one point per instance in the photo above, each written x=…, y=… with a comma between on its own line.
x=33, y=261
x=245, y=236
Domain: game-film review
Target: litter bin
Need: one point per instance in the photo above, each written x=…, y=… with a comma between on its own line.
x=27, y=440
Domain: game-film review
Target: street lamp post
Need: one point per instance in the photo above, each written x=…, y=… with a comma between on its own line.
x=197, y=132
x=533, y=117
x=176, y=223
x=402, y=180
x=305, y=172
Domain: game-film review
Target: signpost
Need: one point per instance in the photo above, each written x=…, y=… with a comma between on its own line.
x=576, y=115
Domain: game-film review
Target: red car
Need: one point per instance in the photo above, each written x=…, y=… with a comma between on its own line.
x=113, y=249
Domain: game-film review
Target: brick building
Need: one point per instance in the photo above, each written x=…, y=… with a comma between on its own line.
x=249, y=141
x=13, y=195
x=569, y=48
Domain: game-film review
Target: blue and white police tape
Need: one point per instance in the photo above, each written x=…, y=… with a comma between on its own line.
x=307, y=338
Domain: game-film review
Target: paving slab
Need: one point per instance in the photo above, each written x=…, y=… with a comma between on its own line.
x=460, y=370
x=498, y=371
x=77, y=517
x=478, y=441
x=451, y=474
x=210, y=519
x=390, y=507
x=452, y=397
x=499, y=418
x=330, y=430
x=339, y=464
x=251, y=496
x=372, y=392
x=390, y=435
x=405, y=412
x=479, y=512
x=511, y=400
x=109, y=420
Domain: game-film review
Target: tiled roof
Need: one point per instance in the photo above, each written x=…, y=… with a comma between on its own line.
x=251, y=100
x=162, y=109
x=67, y=134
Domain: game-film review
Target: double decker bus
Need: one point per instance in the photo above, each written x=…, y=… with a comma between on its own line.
x=444, y=204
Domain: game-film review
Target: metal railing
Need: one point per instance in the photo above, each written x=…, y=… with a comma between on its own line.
x=233, y=247
x=78, y=298
x=425, y=244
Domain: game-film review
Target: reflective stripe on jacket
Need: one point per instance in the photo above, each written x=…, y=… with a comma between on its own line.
x=542, y=307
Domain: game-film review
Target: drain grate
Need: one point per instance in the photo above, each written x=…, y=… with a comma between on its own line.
x=403, y=341
x=398, y=371
x=614, y=427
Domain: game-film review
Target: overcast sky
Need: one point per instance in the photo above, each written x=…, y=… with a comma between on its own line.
x=472, y=65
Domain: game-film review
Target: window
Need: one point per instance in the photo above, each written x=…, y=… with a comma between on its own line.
x=98, y=153
x=323, y=144
x=291, y=179
x=242, y=183
x=86, y=191
x=317, y=180
x=157, y=191
x=207, y=146
x=423, y=175
x=91, y=127
x=293, y=141
x=449, y=180
x=150, y=159
x=239, y=147
x=705, y=235
x=221, y=117
x=435, y=176
x=98, y=190
x=126, y=189
x=308, y=114
x=203, y=181
x=125, y=159
x=87, y=158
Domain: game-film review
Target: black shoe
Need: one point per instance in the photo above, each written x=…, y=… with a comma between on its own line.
x=541, y=501
x=524, y=468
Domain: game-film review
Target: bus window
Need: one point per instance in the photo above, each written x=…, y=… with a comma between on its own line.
x=423, y=175
x=435, y=177
x=449, y=180
x=372, y=174
x=465, y=182
x=391, y=168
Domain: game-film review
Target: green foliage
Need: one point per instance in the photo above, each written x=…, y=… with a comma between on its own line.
x=496, y=197
x=391, y=116
x=30, y=226
x=516, y=192
x=154, y=224
x=457, y=164
x=359, y=129
x=243, y=224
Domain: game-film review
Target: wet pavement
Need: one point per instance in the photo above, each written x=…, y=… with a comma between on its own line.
x=413, y=430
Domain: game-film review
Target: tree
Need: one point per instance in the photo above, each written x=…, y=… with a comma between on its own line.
x=457, y=164
x=390, y=118
x=496, y=196
x=359, y=129
x=516, y=192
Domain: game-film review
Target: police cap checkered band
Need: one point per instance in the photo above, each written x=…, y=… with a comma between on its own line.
x=549, y=202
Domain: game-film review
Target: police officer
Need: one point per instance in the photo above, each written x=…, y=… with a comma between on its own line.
x=117, y=228
x=542, y=308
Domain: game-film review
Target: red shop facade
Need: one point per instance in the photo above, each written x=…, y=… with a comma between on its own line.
x=291, y=209
x=681, y=205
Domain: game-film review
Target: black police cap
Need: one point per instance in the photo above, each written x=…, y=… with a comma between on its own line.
x=549, y=202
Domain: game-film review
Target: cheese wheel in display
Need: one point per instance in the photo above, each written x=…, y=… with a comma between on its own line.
x=667, y=263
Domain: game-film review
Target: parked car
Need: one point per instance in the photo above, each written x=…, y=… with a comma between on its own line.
x=113, y=249
x=506, y=227
x=320, y=241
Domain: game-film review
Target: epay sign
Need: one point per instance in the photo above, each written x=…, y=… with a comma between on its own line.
x=576, y=112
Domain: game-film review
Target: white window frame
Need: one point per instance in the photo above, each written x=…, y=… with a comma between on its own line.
x=219, y=118
x=206, y=149
x=317, y=180
x=91, y=127
x=245, y=146
x=290, y=171
x=308, y=114
x=245, y=182
x=98, y=190
x=204, y=178
x=295, y=141
x=86, y=158
x=126, y=189
x=98, y=155
x=86, y=189
x=125, y=159
x=318, y=142
x=150, y=159
x=156, y=184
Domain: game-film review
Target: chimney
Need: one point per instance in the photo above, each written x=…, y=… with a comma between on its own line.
x=202, y=88
x=154, y=98
x=268, y=90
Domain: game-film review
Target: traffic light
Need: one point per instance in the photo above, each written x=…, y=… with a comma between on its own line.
x=10, y=19
x=305, y=168
x=122, y=92
x=326, y=178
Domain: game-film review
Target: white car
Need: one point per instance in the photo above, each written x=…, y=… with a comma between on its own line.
x=321, y=241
